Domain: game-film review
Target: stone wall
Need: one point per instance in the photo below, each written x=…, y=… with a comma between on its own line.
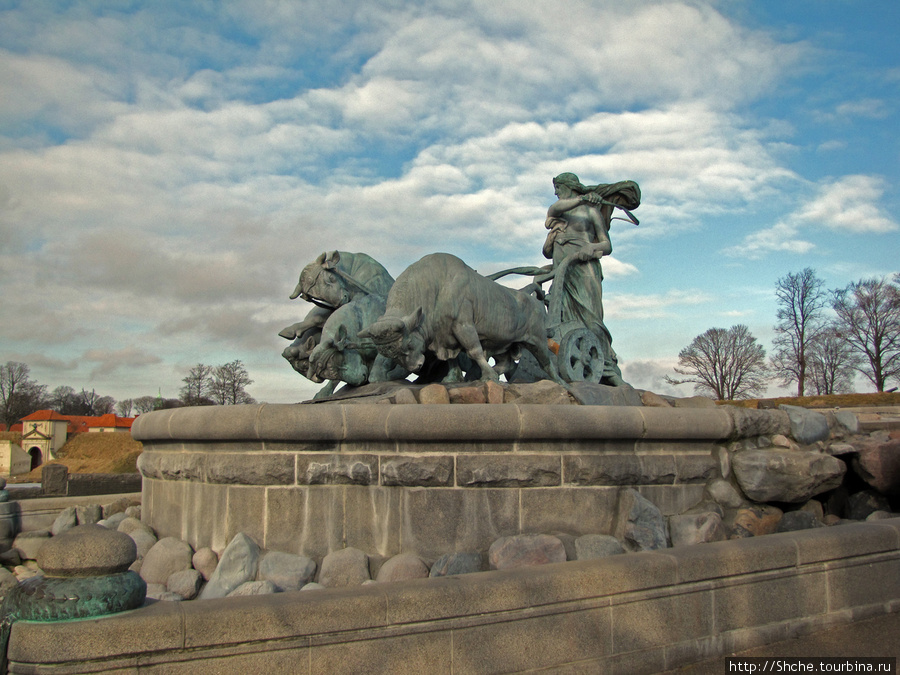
x=425, y=479
x=636, y=613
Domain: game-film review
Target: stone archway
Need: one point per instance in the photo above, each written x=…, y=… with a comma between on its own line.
x=37, y=457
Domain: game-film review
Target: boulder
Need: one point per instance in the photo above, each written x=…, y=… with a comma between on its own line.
x=238, y=564
x=786, y=475
x=186, y=584
x=254, y=588
x=89, y=514
x=467, y=394
x=753, y=521
x=591, y=546
x=651, y=400
x=639, y=524
x=86, y=550
x=456, y=563
x=345, y=567
x=205, y=561
x=313, y=586
x=113, y=521
x=287, y=571
x=130, y=525
x=402, y=567
x=724, y=493
x=525, y=550
x=543, y=392
x=433, y=393
x=167, y=556
x=879, y=465
x=66, y=520
x=144, y=540
x=861, y=504
x=696, y=528
x=807, y=426
x=29, y=543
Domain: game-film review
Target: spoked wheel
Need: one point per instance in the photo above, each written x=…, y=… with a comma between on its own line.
x=581, y=357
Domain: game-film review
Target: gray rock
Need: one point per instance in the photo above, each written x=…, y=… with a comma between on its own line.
x=118, y=506
x=167, y=556
x=254, y=588
x=313, y=586
x=205, y=561
x=525, y=550
x=724, y=493
x=29, y=543
x=86, y=550
x=543, y=392
x=144, y=541
x=807, y=426
x=838, y=449
x=696, y=528
x=345, y=567
x=402, y=567
x=66, y=520
x=154, y=591
x=568, y=541
x=786, y=475
x=186, y=584
x=590, y=546
x=113, y=521
x=456, y=563
x=130, y=525
x=287, y=571
x=239, y=564
x=862, y=504
x=793, y=521
x=89, y=514
x=639, y=524
x=133, y=512
x=848, y=420
x=878, y=463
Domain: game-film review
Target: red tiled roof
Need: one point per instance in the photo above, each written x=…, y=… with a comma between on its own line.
x=81, y=423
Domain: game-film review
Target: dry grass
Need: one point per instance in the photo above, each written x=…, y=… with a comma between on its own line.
x=835, y=401
x=94, y=453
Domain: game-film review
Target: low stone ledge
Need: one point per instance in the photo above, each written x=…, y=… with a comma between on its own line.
x=337, y=422
x=738, y=593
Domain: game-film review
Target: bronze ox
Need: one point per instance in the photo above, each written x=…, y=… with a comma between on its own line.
x=441, y=306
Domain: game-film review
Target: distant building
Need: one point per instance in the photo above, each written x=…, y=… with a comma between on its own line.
x=13, y=460
x=44, y=432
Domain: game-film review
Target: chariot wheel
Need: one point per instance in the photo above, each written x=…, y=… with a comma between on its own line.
x=581, y=357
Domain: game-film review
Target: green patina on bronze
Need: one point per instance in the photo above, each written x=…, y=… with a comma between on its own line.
x=65, y=598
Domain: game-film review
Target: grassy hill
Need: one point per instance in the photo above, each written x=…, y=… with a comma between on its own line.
x=93, y=453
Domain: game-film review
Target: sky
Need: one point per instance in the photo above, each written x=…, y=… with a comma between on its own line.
x=168, y=168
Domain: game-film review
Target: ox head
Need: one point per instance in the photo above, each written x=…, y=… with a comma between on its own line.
x=339, y=360
x=298, y=352
x=320, y=284
x=399, y=339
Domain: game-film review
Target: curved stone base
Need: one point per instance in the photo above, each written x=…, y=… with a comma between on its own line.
x=423, y=479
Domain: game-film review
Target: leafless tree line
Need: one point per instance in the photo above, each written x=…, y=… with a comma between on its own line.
x=819, y=351
x=20, y=395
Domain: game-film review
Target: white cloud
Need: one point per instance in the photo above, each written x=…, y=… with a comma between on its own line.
x=849, y=204
x=781, y=237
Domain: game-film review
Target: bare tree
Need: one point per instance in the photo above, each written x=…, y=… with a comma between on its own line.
x=230, y=383
x=198, y=385
x=65, y=401
x=869, y=320
x=832, y=363
x=727, y=364
x=92, y=404
x=124, y=407
x=19, y=394
x=801, y=301
x=144, y=404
